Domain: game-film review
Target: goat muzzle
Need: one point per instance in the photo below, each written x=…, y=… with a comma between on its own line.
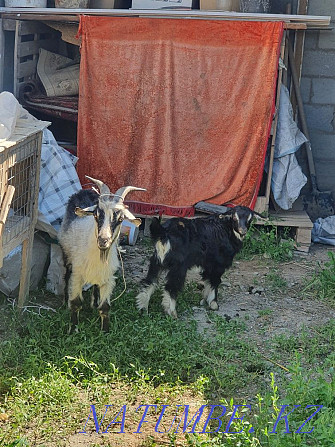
x=104, y=243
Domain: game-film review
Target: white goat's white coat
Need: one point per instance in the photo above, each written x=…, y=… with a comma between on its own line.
x=89, y=239
x=79, y=242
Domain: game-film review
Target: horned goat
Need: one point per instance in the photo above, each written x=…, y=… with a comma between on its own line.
x=89, y=239
x=208, y=243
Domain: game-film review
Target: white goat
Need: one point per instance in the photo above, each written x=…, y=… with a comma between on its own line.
x=89, y=240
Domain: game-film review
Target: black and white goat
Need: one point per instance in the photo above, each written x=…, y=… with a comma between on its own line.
x=209, y=243
x=89, y=239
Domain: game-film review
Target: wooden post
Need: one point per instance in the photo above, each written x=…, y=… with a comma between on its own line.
x=27, y=246
x=2, y=55
x=275, y=122
x=4, y=210
x=299, y=45
x=16, y=58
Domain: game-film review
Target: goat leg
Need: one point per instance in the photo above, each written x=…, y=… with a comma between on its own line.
x=95, y=297
x=169, y=305
x=143, y=298
x=210, y=293
x=104, y=315
x=75, y=307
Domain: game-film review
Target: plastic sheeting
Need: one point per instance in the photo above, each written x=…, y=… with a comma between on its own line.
x=287, y=177
x=14, y=116
x=324, y=231
x=182, y=108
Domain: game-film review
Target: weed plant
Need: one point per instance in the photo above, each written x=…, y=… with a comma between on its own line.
x=269, y=241
x=322, y=283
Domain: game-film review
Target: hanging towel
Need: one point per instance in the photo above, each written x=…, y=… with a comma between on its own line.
x=182, y=108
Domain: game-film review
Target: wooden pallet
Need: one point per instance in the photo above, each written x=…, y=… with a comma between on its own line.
x=297, y=220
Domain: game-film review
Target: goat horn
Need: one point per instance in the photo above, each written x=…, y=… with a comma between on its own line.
x=102, y=187
x=122, y=192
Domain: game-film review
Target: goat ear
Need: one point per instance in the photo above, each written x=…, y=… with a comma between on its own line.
x=129, y=216
x=81, y=212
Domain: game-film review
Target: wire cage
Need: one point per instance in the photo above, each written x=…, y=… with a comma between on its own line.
x=19, y=184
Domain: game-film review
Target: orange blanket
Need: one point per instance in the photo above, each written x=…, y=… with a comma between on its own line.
x=180, y=107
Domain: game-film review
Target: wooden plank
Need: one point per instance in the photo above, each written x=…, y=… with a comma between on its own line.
x=43, y=18
x=16, y=59
x=295, y=26
x=32, y=47
x=8, y=24
x=304, y=235
x=5, y=205
x=14, y=242
x=299, y=45
x=261, y=205
x=26, y=70
x=316, y=20
x=289, y=219
x=27, y=247
x=2, y=54
x=34, y=27
x=275, y=122
x=285, y=74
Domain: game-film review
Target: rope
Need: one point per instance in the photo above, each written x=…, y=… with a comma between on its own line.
x=123, y=276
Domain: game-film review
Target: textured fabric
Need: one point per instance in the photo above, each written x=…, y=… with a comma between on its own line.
x=58, y=180
x=180, y=107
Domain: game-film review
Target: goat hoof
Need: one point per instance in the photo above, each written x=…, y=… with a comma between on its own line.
x=202, y=302
x=214, y=305
x=73, y=329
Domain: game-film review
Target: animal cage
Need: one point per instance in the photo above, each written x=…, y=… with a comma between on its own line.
x=19, y=185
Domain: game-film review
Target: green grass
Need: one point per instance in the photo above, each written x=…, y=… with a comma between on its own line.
x=322, y=283
x=49, y=379
x=268, y=241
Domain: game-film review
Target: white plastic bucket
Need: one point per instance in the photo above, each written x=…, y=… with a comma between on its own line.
x=129, y=232
x=26, y=3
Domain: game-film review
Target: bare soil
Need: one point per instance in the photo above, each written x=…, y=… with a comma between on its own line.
x=270, y=297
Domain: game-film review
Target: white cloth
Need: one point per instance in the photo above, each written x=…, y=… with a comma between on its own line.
x=287, y=176
x=324, y=230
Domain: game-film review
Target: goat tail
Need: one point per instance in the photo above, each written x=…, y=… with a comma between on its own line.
x=156, y=229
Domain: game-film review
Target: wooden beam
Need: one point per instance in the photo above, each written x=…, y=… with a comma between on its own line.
x=2, y=56
x=295, y=26
x=275, y=122
x=225, y=15
x=299, y=45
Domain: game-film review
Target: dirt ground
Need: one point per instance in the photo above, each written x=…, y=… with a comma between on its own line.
x=269, y=293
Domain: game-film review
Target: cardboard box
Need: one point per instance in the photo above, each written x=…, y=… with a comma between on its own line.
x=220, y=5
x=161, y=4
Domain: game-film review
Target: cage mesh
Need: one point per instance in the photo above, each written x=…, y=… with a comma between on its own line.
x=18, y=167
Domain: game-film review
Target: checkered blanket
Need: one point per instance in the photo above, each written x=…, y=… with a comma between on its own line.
x=58, y=181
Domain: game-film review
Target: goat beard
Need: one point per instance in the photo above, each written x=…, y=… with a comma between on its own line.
x=104, y=254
